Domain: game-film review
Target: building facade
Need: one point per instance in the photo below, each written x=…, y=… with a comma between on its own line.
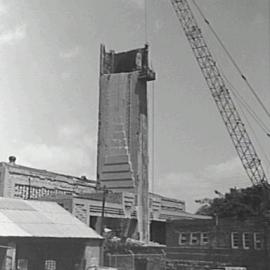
x=81, y=197
x=120, y=212
x=18, y=181
x=216, y=244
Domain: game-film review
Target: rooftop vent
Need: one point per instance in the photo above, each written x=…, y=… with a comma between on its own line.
x=12, y=159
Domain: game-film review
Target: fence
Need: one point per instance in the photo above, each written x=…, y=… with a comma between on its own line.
x=136, y=261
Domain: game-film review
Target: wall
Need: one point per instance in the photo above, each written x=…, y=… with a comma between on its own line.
x=122, y=161
x=218, y=249
x=93, y=253
x=2, y=180
x=7, y=254
x=137, y=258
x=120, y=205
x=122, y=124
x=65, y=253
x=15, y=181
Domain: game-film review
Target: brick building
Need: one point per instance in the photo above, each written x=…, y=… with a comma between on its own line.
x=17, y=181
x=211, y=244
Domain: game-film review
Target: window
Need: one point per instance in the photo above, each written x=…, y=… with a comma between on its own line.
x=183, y=239
x=195, y=238
x=50, y=265
x=235, y=240
x=22, y=264
x=246, y=240
x=258, y=241
x=204, y=238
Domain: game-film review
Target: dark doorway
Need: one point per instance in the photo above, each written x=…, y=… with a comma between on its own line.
x=140, y=264
x=158, y=232
x=93, y=221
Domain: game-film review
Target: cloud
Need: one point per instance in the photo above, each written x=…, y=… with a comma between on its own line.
x=189, y=186
x=225, y=170
x=3, y=8
x=158, y=25
x=12, y=36
x=258, y=19
x=73, y=153
x=65, y=75
x=77, y=135
x=70, y=53
x=72, y=160
x=184, y=186
x=140, y=4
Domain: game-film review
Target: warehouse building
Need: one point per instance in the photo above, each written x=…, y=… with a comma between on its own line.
x=42, y=235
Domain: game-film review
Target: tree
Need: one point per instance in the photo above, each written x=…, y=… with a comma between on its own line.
x=240, y=203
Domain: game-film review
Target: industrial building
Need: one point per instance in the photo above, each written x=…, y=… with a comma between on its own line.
x=220, y=243
x=122, y=161
x=42, y=235
x=17, y=181
x=38, y=234
x=80, y=197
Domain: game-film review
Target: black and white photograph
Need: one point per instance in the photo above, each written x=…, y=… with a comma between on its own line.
x=135, y=135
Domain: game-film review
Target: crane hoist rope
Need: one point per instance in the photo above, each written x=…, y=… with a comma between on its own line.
x=221, y=94
x=245, y=104
x=244, y=77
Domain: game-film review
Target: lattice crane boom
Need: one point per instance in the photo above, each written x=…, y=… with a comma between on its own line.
x=220, y=93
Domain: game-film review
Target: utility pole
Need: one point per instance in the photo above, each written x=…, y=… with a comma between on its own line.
x=104, y=193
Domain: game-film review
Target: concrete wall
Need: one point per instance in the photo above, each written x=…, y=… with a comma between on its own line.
x=15, y=181
x=93, y=255
x=122, y=135
x=123, y=102
x=2, y=180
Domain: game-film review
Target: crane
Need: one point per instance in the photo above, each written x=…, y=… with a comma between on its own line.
x=221, y=94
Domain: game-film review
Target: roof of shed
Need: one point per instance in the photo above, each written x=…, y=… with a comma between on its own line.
x=21, y=218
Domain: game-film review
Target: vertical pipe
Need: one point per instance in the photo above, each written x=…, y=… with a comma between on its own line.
x=29, y=189
x=103, y=210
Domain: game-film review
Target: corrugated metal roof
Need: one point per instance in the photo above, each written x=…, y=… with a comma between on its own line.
x=20, y=218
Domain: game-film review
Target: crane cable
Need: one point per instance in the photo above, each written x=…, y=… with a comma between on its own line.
x=232, y=59
x=245, y=105
x=152, y=104
x=240, y=98
x=256, y=138
x=252, y=113
x=145, y=22
x=153, y=137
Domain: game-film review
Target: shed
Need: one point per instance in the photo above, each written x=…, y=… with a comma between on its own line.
x=37, y=235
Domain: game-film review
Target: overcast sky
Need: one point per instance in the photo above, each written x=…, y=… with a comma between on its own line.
x=49, y=54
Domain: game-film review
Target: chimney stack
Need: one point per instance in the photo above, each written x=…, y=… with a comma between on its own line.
x=12, y=159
